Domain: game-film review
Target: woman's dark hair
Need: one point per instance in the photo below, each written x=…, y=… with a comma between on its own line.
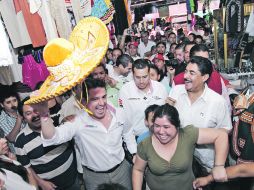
x=170, y=112
x=19, y=170
x=154, y=67
x=163, y=43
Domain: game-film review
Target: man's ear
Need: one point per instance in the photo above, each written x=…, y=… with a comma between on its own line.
x=146, y=122
x=205, y=77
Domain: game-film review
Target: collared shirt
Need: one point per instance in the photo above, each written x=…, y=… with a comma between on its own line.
x=100, y=148
x=142, y=49
x=120, y=78
x=7, y=123
x=134, y=102
x=53, y=163
x=208, y=111
x=69, y=107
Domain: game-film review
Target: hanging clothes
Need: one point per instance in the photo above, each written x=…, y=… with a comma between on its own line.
x=42, y=8
x=15, y=24
x=33, y=23
x=104, y=10
x=234, y=16
x=120, y=17
x=250, y=24
x=32, y=71
x=5, y=54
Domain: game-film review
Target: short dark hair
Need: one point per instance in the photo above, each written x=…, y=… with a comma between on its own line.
x=205, y=66
x=199, y=36
x=180, y=46
x=163, y=43
x=172, y=33
x=140, y=64
x=192, y=34
x=170, y=112
x=189, y=43
x=172, y=45
x=197, y=48
x=91, y=83
x=150, y=109
x=124, y=60
x=118, y=49
x=21, y=104
x=7, y=92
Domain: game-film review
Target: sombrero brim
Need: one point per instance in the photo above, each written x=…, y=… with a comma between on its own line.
x=90, y=38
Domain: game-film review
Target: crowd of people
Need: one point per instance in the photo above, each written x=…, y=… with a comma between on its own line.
x=154, y=114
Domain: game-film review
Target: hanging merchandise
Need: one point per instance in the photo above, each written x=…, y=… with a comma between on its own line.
x=250, y=25
x=104, y=10
x=33, y=23
x=34, y=69
x=234, y=16
x=5, y=54
x=42, y=8
x=15, y=24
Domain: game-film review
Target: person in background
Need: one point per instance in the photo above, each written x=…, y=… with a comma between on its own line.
x=192, y=37
x=115, y=54
x=199, y=39
x=133, y=50
x=180, y=57
x=12, y=174
x=109, y=56
x=149, y=112
x=145, y=44
x=169, y=150
x=11, y=122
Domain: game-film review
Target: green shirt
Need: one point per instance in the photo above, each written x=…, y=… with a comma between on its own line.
x=113, y=93
x=176, y=174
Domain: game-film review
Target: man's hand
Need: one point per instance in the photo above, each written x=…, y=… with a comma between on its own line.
x=47, y=185
x=110, y=81
x=3, y=146
x=170, y=101
x=219, y=174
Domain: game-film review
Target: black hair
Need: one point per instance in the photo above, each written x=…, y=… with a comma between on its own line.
x=17, y=169
x=150, y=109
x=205, y=66
x=91, y=83
x=153, y=47
x=118, y=49
x=199, y=36
x=124, y=60
x=7, y=92
x=173, y=45
x=180, y=46
x=170, y=112
x=163, y=43
x=172, y=33
x=144, y=32
x=21, y=104
x=153, y=66
x=140, y=64
x=111, y=186
x=197, y=48
x=192, y=34
x=189, y=43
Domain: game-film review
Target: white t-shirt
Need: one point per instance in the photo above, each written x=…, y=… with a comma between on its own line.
x=142, y=49
x=208, y=111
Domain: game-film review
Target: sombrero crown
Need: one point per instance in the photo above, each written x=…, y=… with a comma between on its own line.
x=70, y=62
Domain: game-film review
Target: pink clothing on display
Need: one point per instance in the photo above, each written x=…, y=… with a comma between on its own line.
x=33, y=23
x=33, y=72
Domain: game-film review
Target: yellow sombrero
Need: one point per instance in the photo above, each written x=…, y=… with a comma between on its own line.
x=70, y=62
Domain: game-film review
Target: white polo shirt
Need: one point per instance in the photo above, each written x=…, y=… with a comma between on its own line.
x=142, y=49
x=208, y=111
x=134, y=102
x=120, y=78
x=100, y=148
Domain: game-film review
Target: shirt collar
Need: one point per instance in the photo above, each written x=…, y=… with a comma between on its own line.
x=203, y=95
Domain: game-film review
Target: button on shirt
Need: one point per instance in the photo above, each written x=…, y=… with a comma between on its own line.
x=134, y=102
x=142, y=49
x=208, y=111
x=100, y=148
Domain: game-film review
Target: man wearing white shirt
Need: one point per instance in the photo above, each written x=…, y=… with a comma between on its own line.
x=137, y=95
x=145, y=44
x=200, y=106
x=98, y=135
x=122, y=70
